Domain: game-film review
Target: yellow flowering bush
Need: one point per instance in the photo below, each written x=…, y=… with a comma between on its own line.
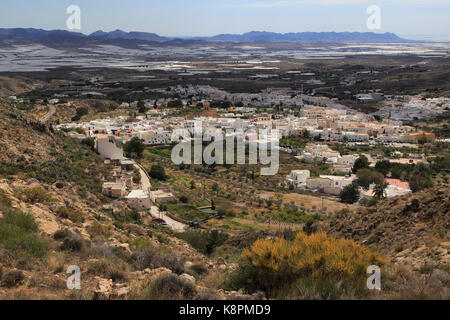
x=316, y=255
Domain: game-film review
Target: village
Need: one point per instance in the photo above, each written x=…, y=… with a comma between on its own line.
x=321, y=120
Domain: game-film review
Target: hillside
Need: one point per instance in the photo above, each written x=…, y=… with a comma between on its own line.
x=412, y=230
x=52, y=216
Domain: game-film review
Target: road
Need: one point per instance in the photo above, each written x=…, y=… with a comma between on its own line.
x=145, y=180
x=174, y=225
x=49, y=114
x=154, y=211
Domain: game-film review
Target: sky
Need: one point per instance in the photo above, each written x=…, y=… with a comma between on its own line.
x=414, y=19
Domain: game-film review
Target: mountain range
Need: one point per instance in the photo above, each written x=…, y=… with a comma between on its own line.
x=63, y=37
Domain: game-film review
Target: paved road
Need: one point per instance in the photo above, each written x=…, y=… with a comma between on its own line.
x=145, y=180
x=49, y=114
x=154, y=211
x=174, y=225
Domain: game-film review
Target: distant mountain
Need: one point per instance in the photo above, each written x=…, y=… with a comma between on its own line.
x=309, y=37
x=32, y=34
x=119, y=34
x=63, y=38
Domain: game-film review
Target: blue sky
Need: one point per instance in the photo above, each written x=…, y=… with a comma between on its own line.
x=410, y=18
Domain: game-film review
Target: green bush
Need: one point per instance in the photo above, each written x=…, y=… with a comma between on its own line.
x=36, y=195
x=71, y=214
x=157, y=172
x=204, y=241
x=140, y=243
x=18, y=234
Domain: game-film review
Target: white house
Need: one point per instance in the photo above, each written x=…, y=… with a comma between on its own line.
x=161, y=196
x=139, y=199
x=298, y=177
x=348, y=160
x=342, y=169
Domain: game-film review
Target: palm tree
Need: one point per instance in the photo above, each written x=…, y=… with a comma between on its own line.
x=379, y=190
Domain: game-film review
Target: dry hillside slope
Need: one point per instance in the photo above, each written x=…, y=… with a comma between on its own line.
x=413, y=229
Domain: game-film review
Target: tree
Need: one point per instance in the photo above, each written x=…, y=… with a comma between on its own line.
x=175, y=104
x=134, y=146
x=366, y=177
x=141, y=106
x=80, y=112
x=215, y=187
x=90, y=142
x=184, y=199
x=221, y=213
x=420, y=180
x=350, y=194
x=306, y=134
x=192, y=184
x=361, y=163
x=157, y=172
x=383, y=166
x=380, y=190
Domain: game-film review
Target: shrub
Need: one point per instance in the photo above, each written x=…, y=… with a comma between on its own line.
x=12, y=279
x=150, y=258
x=72, y=244
x=198, y=270
x=204, y=241
x=70, y=241
x=99, y=230
x=90, y=142
x=270, y=265
x=18, y=234
x=157, y=172
x=140, y=243
x=24, y=221
x=62, y=234
x=71, y=214
x=115, y=270
x=36, y=195
x=169, y=287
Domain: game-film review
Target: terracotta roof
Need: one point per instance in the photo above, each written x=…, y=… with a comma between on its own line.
x=398, y=183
